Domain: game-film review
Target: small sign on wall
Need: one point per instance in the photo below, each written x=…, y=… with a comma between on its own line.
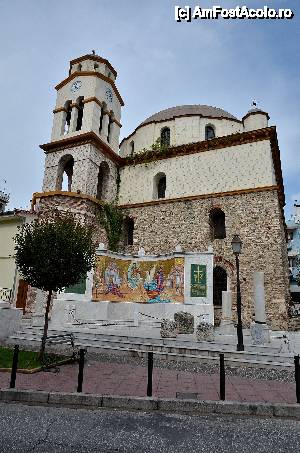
x=198, y=280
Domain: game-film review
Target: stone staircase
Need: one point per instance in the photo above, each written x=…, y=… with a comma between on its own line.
x=184, y=347
x=294, y=324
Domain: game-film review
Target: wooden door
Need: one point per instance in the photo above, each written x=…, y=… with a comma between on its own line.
x=22, y=294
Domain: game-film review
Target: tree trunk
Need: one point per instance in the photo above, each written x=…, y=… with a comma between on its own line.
x=44, y=337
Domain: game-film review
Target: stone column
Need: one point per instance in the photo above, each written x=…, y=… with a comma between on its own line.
x=259, y=298
x=74, y=116
x=259, y=330
x=58, y=125
x=226, y=326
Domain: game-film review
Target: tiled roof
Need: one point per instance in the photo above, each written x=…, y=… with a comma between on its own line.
x=187, y=110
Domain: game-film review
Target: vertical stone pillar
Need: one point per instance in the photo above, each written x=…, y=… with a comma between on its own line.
x=74, y=116
x=259, y=330
x=226, y=326
x=259, y=298
x=88, y=113
x=58, y=124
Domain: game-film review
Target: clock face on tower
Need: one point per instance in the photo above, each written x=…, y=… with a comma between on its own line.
x=76, y=86
x=108, y=94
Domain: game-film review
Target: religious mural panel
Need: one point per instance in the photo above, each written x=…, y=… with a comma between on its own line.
x=198, y=280
x=148, y=282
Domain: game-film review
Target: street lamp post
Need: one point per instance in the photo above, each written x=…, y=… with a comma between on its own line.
x=236, y=244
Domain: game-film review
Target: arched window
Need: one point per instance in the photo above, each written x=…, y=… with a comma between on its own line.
x=219, y=285
x=67, y=117
x=131, y=146
x=217, y=224
x=160, y=185
x=96, y=66
x=103, y=179
x=209, y=132
x=129, y=230
x=165, y=136
x=101, y=120
x=80, y=105
x=79, y=67
x=109, y=128
x=65, y=173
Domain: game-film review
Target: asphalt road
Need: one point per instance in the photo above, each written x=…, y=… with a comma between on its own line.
x=43, y=429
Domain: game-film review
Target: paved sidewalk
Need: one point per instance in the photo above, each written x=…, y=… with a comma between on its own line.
x=131, y=380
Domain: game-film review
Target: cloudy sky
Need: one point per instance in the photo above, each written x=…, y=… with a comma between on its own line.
x=160, y=63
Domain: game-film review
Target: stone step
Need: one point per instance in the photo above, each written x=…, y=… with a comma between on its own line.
x=207, y=350
x=294, y=324
x=229, y=360
x=183, y=340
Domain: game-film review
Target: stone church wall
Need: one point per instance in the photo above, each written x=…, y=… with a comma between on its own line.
x=256, y=217
x=80, y=207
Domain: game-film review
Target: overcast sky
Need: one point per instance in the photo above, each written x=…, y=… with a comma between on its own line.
x=160, y=64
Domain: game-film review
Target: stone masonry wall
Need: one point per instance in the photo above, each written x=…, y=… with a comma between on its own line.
x=256, y=217
x=82, y=208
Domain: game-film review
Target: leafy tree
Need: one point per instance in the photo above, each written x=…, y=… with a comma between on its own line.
x=53, y=253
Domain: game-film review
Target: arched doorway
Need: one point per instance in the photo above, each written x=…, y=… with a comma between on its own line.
x=219, y=285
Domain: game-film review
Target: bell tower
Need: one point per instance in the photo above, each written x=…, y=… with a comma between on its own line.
x=88, y=100
x=82, y=160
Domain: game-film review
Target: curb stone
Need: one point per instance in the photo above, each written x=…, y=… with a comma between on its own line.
x=195, y=407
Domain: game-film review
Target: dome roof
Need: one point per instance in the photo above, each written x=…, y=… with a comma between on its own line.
x=205, y=111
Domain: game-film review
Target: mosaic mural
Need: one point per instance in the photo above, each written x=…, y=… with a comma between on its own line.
x=148, y=282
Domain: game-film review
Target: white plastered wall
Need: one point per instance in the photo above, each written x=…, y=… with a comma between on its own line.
x=234, y=168
x=187, y=129
x=91, y=87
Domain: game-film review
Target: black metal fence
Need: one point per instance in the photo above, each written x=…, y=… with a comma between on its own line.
x=150, y=362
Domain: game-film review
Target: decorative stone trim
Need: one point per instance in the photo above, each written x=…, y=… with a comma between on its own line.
x=200, y=197
x=37, y=195
x=81, y=139
x=91, y=74
x=93, y=99
x=94, y=58
x=261, y=112
x=60, y=109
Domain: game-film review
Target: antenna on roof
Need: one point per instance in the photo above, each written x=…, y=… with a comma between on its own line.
x=254, y=103
x=93, y=52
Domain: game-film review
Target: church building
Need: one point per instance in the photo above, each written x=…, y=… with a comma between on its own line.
x=191, y=176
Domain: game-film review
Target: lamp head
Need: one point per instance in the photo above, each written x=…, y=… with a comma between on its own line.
x=236, y=244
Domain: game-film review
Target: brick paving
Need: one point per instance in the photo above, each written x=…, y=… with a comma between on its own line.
x=131, y=380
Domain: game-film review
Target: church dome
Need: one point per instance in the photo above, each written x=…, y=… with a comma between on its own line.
x=205, y=111
x=180, y=125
